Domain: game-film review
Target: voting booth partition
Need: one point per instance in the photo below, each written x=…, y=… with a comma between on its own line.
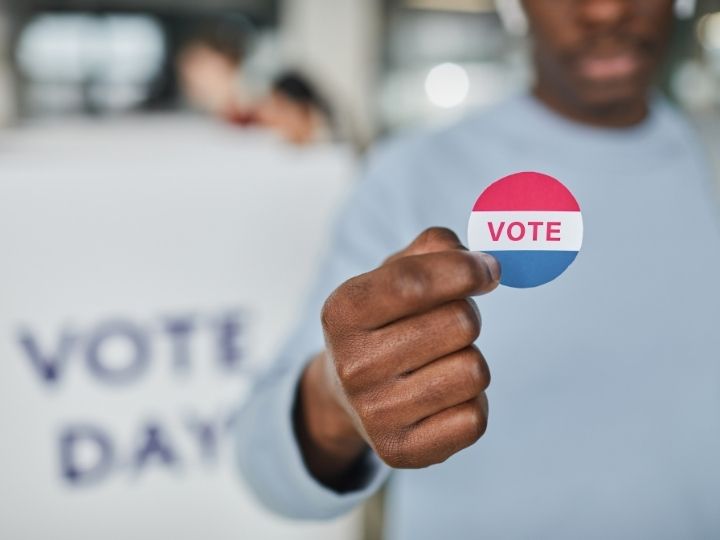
x=150, y=269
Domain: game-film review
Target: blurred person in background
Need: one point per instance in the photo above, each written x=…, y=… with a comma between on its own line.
x=296, y=110
x=209, y=67
x=606, y=401
x=210, y=70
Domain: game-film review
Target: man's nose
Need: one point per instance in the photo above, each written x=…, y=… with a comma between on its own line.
x=604, y=13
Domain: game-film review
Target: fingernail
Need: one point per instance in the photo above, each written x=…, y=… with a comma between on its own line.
x=492, y=264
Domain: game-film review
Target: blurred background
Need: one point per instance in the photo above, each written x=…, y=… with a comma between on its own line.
x=169, y=171
x=375, y=66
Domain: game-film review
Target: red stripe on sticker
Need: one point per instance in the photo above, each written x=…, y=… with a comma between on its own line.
x=526, y=191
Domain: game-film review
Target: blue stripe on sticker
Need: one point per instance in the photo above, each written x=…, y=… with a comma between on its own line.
x=525, y=269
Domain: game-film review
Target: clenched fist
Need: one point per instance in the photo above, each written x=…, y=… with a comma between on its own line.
x=400, y=372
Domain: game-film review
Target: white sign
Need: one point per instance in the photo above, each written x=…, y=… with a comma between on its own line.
x=145, y=281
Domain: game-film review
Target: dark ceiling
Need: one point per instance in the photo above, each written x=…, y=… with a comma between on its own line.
x=262, y=11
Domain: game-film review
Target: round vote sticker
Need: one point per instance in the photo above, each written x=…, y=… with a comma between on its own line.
x=531, y=223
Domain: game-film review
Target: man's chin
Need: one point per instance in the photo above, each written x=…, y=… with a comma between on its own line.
x=613, y=98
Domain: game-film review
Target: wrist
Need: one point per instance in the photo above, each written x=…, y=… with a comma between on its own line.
x=327, y=420
x=330, y=442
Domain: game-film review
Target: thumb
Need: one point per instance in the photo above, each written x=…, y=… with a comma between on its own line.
x=431, y=240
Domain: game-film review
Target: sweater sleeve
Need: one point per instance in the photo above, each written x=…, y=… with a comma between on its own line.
x=270, y=459
x=374, y=223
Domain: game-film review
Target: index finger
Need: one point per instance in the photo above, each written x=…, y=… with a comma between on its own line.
x=417, y=283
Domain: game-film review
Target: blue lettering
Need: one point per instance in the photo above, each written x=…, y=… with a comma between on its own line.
x=229, y=332
x=72, y=441
x=154, y=445
x=180, y=330
x=206, y=436
x=118, y=331
x=50, y=364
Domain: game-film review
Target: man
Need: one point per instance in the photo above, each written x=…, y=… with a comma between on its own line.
x=295, y=110
x=606, y=382
x=209, y=67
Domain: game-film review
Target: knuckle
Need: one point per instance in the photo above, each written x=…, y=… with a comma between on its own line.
x=470, y=272
x=355, y=372
x=355, y=293
x=371, y=411
x=440, y=236
x=342, y=307
x=350, y=372
x=345, y=372
x=471, y=376
x=392, y=449
x=468, y=322
x=435, y=389
x=477, y=422
x=476, y=371
x=328, y=313
x=413, y=282
x=368, y=414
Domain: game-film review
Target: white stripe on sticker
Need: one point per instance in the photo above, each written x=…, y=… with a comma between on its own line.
x=526, y=231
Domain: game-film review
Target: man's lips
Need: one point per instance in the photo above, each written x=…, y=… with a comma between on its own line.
x=617, y=66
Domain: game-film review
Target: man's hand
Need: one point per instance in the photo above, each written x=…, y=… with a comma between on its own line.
x=400, y=372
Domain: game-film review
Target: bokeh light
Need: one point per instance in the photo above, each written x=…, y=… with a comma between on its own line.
x=447, y=85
